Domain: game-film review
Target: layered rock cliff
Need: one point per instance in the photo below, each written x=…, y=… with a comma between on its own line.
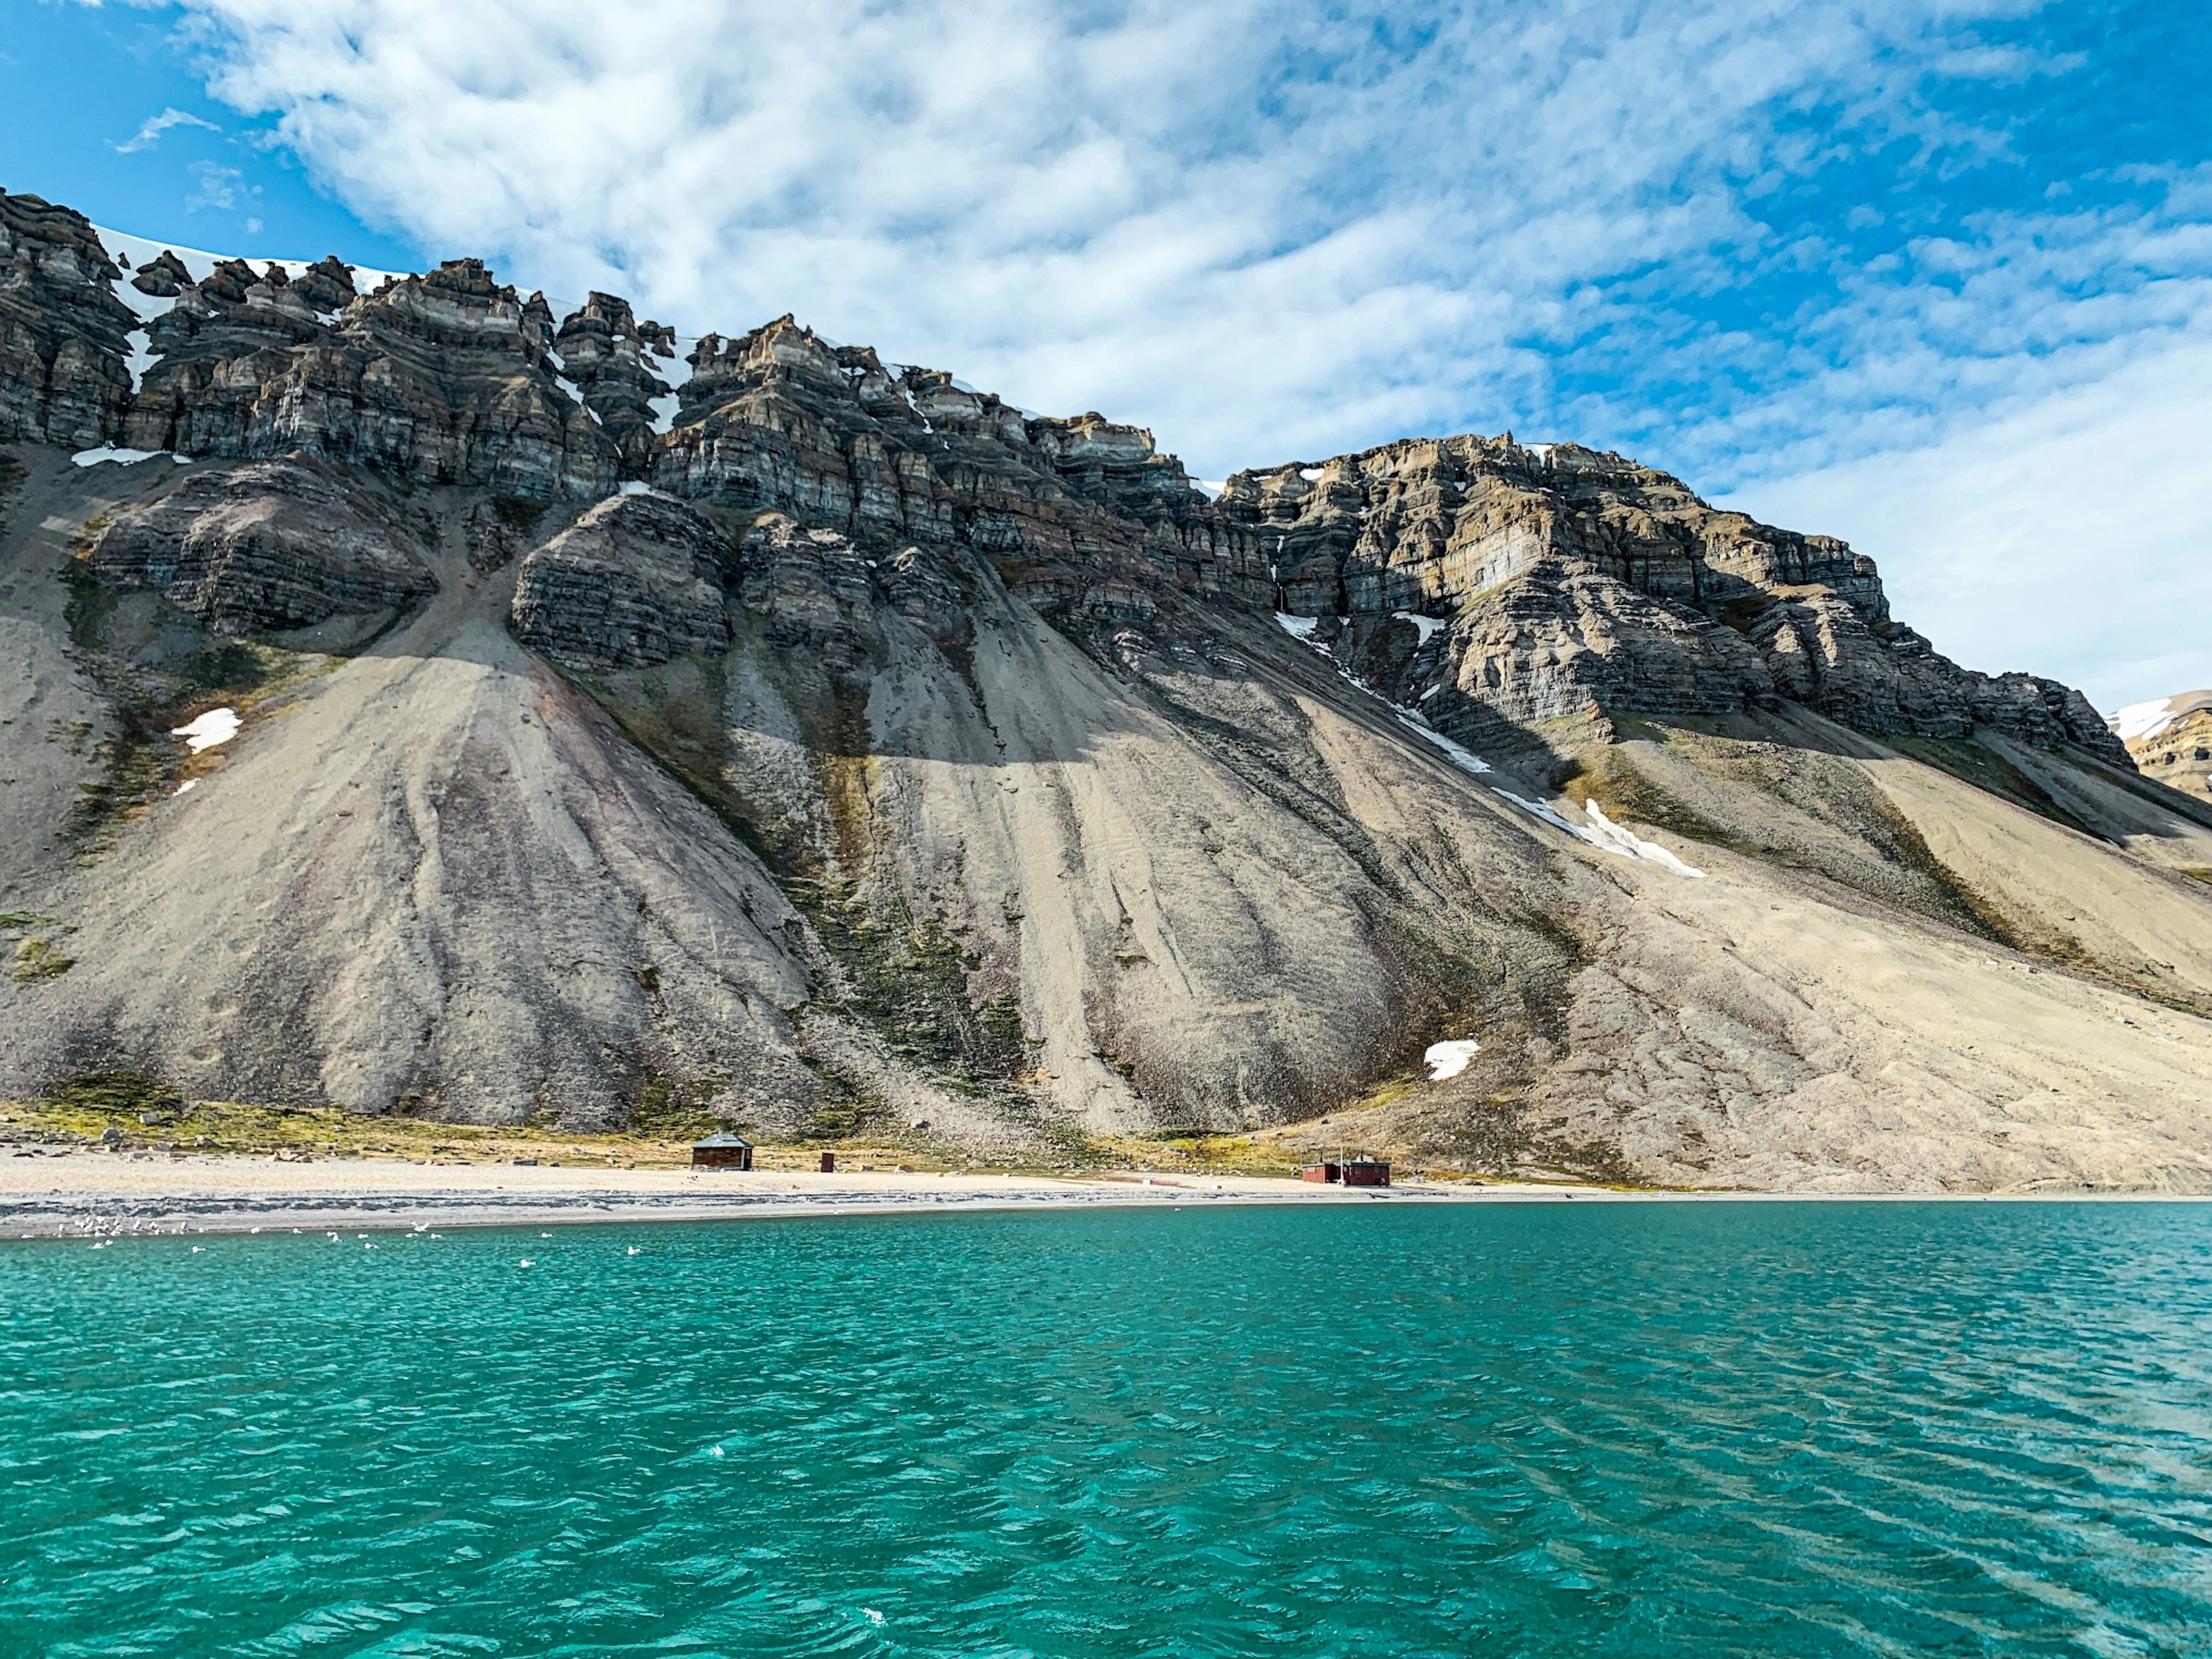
x=63, y=333
x=443, y=379
x=814, y=742
x=265, y=545
x=1573, y=583
x=1082, y=515
x=636, y=580
x=2171, y=740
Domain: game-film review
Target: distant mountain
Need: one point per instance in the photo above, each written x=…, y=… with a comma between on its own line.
x=422, y=702
x=2171, y=740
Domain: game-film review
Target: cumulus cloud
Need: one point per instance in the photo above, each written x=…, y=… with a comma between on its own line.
x=1272, y=229
x=1266, y=226
x=151, y=133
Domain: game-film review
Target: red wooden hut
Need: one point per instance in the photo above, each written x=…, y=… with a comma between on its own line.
x=722, y=1152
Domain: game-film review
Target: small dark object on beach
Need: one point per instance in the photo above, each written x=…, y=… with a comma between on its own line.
x=1352, y=1172
x=722, y=1152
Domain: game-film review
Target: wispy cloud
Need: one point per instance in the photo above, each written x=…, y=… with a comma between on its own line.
x=1750, y=238
x=219, y=187
x=150, y=134
x=2065, y=531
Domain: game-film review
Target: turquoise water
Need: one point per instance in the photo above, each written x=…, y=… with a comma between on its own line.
x=1773, y=1430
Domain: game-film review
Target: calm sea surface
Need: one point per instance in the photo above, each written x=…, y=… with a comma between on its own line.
x=1760, y=1429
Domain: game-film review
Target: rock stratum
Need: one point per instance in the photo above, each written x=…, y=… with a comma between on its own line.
x=613, y=728
x=2171, y=739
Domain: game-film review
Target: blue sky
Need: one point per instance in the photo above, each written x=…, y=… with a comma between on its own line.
x=1934, y=277
x=82, y=83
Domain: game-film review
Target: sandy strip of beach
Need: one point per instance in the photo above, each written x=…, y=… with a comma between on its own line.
x=52, y=1191
x=76, y=1193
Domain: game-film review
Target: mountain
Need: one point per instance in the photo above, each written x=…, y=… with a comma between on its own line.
x=424, y=702
x=2171, y=740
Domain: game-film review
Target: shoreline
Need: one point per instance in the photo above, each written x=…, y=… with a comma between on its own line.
x=83, y=1194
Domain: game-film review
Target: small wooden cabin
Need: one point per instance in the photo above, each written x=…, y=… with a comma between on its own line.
x=1352, y=1172
x=722, y=1152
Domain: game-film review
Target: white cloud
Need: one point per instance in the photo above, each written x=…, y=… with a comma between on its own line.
x=1260, y=226
x=1272, y=230
x=151, y=133
x=218, y=187
x=2068, y=534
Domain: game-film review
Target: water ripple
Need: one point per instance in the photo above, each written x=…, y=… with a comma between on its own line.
x=1808, y=1430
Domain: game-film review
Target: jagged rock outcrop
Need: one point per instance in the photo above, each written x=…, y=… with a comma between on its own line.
x=1082, y=516
x=63, y=331
x=1558, y=640
x=622, y=370
x=1116, y=466
x=328, y=285
x=1884, y=679
x=1570, y=582
x=267, y=545
x=165, y=276
x=810, y=592
x=1418, y=525
x=641, y=579
x=636, y=580
x=434, y=378
x=1499, y=542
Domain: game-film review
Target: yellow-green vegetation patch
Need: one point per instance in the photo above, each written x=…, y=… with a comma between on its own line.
x=38, y=959
x=38, y=952
x=111, y=1093
x=1625, y=793
x=135, y=1113
x=1195, y=1152
x=666, y=1109
x=154, y=689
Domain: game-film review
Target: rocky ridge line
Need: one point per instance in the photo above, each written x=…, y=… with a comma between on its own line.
x=1478, y=578
x=1554, y=582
